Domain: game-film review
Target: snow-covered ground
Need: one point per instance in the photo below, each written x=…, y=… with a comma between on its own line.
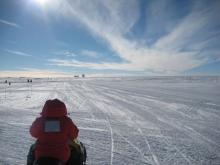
x=122, y=121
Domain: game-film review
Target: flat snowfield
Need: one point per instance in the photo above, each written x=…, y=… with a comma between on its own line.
x=122, y=121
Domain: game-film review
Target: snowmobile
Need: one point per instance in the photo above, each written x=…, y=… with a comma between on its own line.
x=78, y=156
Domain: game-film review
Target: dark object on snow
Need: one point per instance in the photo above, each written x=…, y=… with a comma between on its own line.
x=48, y=161
x=29, y=80
x=78, y=156
x=30, y=156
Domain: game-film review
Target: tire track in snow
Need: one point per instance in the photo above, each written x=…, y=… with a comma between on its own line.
x=112, y=141
x=146, y=141
x=167, y=143
x=189, y=160
x=107, y=118
x=178, y=150
x=153, y=155
x=81, y=91
x=156, y=162
x=149, y=147
x=103, y=93
x=144, y=159
x=173, y=146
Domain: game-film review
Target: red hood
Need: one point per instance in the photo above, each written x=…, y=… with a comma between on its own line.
x=54, y=108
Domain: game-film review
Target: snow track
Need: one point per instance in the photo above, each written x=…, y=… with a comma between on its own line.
x=122, y=121
x=112, y=143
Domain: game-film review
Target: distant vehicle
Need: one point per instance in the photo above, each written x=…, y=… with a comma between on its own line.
x=29, y=80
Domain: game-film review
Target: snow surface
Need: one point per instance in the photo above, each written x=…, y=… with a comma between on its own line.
x=122, y=121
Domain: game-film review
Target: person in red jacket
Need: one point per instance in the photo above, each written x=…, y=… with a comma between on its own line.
x=53, y=131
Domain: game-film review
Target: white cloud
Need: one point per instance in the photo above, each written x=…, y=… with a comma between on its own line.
x=12, y=24
x=139, y=64
x=19, y=53
x=112, y=20
x=69, y=54
x=76, y=63
x=66, y=53
x=184, y=32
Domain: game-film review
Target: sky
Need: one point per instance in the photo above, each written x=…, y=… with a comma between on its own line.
x=47, y=38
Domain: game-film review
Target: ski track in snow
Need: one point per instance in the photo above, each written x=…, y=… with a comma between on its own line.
x=112, y=143
x=122, y=121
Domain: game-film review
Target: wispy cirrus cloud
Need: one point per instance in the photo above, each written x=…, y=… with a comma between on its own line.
x=12, y=24
x=69, y=54
x=173, y=51
x=84, y=52
x=90, y=65
x=65, y=53
x=18, y=53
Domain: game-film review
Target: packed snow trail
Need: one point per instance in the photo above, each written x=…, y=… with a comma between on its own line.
x=122, y=121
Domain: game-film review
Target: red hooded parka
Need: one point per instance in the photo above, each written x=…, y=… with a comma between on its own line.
x=53, y=131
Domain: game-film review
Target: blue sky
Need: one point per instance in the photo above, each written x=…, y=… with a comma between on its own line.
x=111, y=37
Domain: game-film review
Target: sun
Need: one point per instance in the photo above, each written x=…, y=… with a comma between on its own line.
x=42, y=2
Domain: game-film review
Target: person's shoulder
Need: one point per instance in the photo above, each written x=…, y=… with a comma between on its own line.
x=39, y=118
x=67, y=118
x=37, y=121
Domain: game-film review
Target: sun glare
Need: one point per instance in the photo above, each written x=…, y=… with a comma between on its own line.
x=42, y=2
